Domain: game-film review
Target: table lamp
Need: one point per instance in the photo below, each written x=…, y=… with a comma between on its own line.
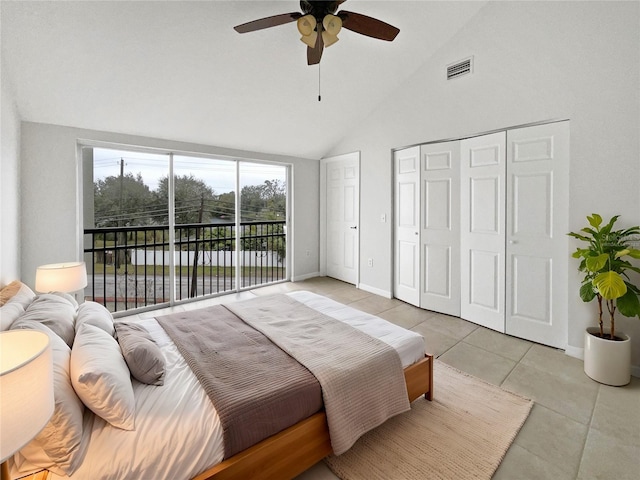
x=61, y=277
x=26, y=389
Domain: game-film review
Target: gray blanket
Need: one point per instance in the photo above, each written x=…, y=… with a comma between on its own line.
x=257, y=389
x=362, y=377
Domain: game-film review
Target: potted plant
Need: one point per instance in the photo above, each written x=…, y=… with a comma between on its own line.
x=606, y=266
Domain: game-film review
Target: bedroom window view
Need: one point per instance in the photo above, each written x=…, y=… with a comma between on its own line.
x=149, y=241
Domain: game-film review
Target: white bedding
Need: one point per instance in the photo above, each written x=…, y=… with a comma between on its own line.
x=177, y=432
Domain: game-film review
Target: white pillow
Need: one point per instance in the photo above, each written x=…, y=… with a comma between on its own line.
x=62, y=438
x=101, y=378
x=97, y=315
x=56, y=313
x=9, y=312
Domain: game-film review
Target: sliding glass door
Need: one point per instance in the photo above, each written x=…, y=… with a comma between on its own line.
x=161, y=228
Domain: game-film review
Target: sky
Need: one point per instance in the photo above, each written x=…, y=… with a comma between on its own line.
x=218, y=174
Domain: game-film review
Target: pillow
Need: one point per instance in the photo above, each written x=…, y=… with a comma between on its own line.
x=17, y=291
x=62, y=438
x=101, y=378
x=9, y=312
x=56, y=313
x=8, y=291
x=144, y=358
x=97, y=315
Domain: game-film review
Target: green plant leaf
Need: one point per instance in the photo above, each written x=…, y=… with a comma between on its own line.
x=634, y=253
x=629, y=304
x=597, y=263
x=594, y=220
x=610, y=285
x=622, y=253
x=587, y=293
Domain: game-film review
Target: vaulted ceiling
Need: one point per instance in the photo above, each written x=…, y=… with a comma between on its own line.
x=177, y=70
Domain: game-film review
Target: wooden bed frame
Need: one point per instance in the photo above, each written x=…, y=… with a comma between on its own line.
x=302, y=445
x=299, y=447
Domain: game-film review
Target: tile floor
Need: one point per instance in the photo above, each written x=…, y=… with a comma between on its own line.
x=578, y=429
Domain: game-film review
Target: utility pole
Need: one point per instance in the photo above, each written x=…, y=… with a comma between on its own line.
x=194, y=273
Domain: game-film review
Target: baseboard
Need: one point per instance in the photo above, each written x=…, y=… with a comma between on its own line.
x=377, y=291
x=306, y=276
x=576, y=352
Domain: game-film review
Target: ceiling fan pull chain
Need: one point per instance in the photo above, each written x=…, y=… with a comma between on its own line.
x=319, y=96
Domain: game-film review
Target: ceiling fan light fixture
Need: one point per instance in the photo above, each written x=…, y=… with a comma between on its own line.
x=306, y=25
x=332, y=24
x=310, y=40
x=329, y=39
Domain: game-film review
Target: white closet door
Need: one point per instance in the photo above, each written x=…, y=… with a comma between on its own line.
x=407, y=227
x=440, y=234
x=537, y=180
x=482, y=236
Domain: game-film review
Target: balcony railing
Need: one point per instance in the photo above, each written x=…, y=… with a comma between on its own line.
x=130, y=267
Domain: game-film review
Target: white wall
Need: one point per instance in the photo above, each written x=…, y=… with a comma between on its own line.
x=534, y=61
x=50, y=218
x=9, y=184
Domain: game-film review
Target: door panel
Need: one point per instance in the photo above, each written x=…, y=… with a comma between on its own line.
x=407, y=228
x=440, y=227
x=536, y=249
x=482, y=195
x=342, y=178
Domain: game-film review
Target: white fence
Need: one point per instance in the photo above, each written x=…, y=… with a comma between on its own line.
x=209, y=258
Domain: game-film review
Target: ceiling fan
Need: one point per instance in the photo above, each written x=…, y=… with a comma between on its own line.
x=319, y=25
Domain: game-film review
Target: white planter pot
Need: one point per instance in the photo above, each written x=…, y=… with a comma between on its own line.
x=607, y=361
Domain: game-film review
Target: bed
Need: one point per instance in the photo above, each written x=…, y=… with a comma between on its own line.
x=195, y=446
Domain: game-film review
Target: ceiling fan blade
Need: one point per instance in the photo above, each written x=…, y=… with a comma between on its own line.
x=371, y=27
x=268, y=22
x=315, y=54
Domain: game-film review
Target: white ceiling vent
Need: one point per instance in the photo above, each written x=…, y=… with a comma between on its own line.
x=460, y=68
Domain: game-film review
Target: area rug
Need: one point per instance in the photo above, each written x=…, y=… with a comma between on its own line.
x=463, y=433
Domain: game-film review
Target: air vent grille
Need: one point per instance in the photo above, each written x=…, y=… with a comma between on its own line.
x=460, y=68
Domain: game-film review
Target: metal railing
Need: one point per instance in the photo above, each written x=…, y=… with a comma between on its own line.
x=130, y=267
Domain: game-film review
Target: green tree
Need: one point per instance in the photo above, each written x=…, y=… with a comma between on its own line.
x=122, y=201
x=189, y=194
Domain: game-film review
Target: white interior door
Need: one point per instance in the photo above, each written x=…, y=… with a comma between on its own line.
x=407, y=225
x=482, y=236
x=536, y=250
x=440, y=234
x=342, y=207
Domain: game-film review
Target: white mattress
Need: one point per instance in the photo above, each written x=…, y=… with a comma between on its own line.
x=178, y=433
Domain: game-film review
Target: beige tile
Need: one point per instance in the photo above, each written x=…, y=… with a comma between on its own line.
x=520, y=464
x=503, y=345
x=435, y=343
x=556, y=362
x=278, y=288
x=478, y=362
x=574, y=399
x=554, y=437
x=452, y=326
x=406, y=315
x=319, y=471
x=617, y=412
x=348, y=295
x=322, y=285
x=375, y=304
x=608, y=457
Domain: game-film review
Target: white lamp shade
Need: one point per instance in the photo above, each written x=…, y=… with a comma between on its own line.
x=61, y=277
x=26, y=388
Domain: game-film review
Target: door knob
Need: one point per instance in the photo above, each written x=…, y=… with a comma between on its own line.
x=354, y=228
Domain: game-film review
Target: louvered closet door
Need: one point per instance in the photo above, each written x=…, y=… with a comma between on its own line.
x=440, y=235
x=482, y=236
x=536, y=257
x=407, y=225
